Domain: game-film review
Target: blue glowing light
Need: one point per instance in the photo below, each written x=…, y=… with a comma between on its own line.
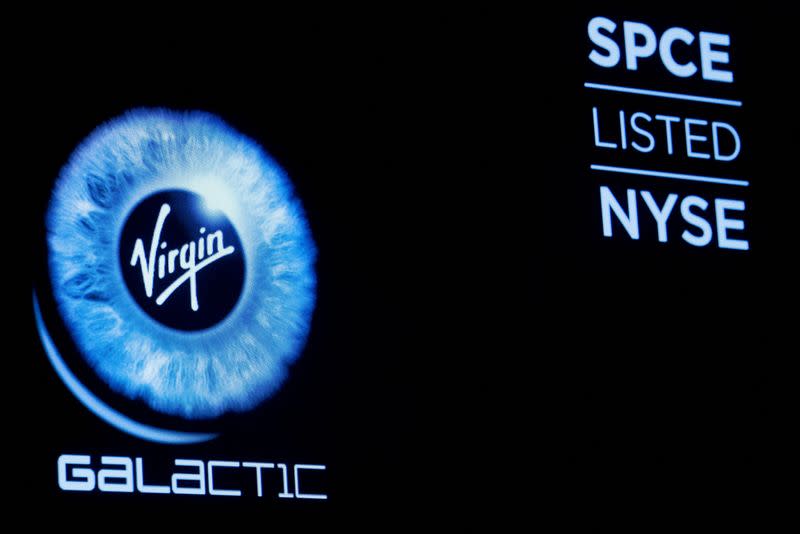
x=240, y=361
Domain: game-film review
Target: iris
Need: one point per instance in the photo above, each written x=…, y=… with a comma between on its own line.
x=196, y=374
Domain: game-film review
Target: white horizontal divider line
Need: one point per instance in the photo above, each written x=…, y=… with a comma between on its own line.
x=671, y=175
x=663, y=94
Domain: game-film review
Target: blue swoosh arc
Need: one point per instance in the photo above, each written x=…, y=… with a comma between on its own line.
x=103, y=410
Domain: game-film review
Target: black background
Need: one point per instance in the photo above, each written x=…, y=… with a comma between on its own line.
x=478, y=346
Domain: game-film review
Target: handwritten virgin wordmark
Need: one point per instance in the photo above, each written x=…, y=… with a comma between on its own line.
x=207, y=249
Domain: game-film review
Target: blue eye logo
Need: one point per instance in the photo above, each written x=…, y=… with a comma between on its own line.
x=182, y=267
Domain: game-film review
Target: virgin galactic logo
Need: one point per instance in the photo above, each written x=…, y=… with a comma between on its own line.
x=181, y=266
x=176, y=252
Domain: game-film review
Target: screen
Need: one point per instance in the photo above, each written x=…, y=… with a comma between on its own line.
x=388, y=265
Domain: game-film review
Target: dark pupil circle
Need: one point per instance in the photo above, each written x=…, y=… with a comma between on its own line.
x=196, y=267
